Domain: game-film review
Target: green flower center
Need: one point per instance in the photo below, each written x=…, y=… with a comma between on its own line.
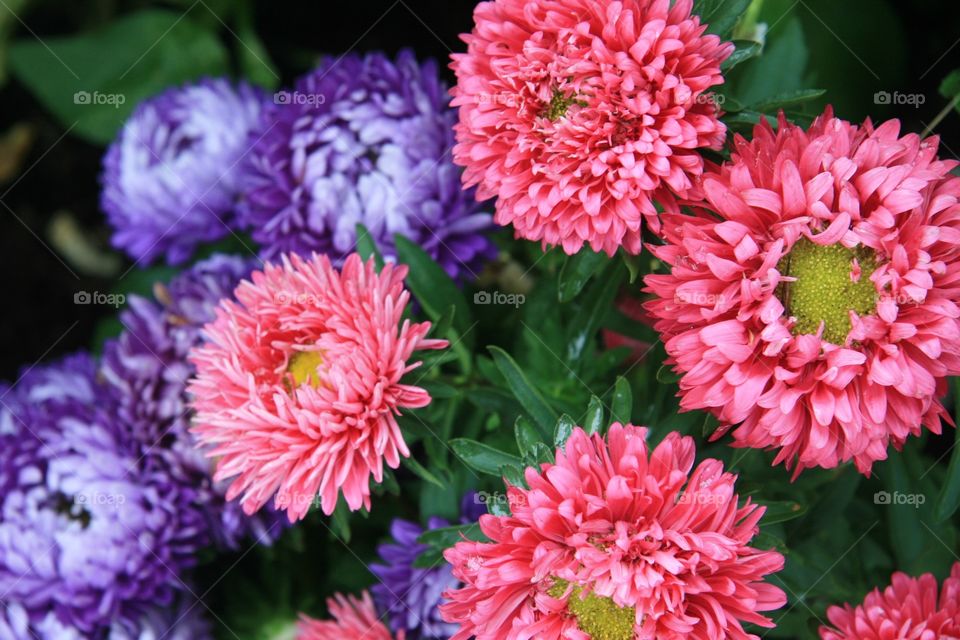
x=559, y=104
x=303, y=368
x=827, y=287
x=600, y=618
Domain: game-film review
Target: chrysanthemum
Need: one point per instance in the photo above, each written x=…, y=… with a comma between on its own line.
x=354, y=619
x=171, y=178
x=87, y=533
x=410, y=595
x=299, y=386
x=579, y=114
x=363, y=139
x=614, y=542
x=147, y=366
x=909, y=609
x=816, y=306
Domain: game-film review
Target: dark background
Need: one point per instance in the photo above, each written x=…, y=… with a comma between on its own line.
x=853, y=49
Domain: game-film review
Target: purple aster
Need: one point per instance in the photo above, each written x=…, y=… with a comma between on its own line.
x=147, y=366
x=171, y=178
x=410, y=595
x=88, y=533
x=363, y=139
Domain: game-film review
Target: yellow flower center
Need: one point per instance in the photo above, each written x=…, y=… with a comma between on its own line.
x=599, y=617
x=303, y=368
x=827, y=287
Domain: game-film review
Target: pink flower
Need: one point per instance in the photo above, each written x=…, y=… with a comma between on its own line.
x=298, y=387
x=355, y=619
x=616, y=542
x=816, y=305
x=906, y=610
x=575, y=114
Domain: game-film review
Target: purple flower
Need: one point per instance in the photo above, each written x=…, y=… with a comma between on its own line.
x=410, y=595
x=89, y=535
x=171, y=178
x=363, y=139
x=147, y=366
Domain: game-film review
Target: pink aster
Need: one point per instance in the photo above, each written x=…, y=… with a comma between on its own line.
x=299, y=383
x=354, y=619
x=577, y=114
x=816, y=306
x=616, y=542
x=909, y=609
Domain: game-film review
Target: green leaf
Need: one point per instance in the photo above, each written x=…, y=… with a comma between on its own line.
x=434, y=289
x=429, y=559
x=633, y=264
x=526, y=434
x=92, y=81
x=745, y=50
x=622, y=405
x=445, y=537
x=366, y=246
x=481, y=457
x=906, y=533
x=596, y=303
x=422, y=472
x=780, y=69
x=720, y=15
x=950, y=86
x=666, y=375
x=563, y=430
x=513, y=475
x=949, y=498
x=528, y=395
x=789, y=99
x=340, y=519
x=253, y=56
x=781, y=511
x=593, y=420
x=577, y=271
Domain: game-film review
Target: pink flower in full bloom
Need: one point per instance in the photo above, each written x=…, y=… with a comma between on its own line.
x=616, y=542
x=354, y=619
x=815, y=306
x=909, y=609
x=576, y=114
x=298, y=386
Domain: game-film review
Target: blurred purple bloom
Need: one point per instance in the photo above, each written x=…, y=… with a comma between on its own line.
x=147, y=366
x=171, y=178
x=363, y=139
x=410, y=595
x=88, y=534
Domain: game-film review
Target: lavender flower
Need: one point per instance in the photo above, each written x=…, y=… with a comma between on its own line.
x=171, y=178
x=410, y=595
x=88, y=534
x=363, y=139
x=147, y=366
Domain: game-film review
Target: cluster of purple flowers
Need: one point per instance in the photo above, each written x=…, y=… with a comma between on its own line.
x=360, y=140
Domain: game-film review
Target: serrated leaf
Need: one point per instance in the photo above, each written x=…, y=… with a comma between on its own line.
x=788, y=99
x=577, y=271
x=621, y=407
x=563, y=431
x=92, y=81
x=593, y=420
x=530, y=398
x=482, y=457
